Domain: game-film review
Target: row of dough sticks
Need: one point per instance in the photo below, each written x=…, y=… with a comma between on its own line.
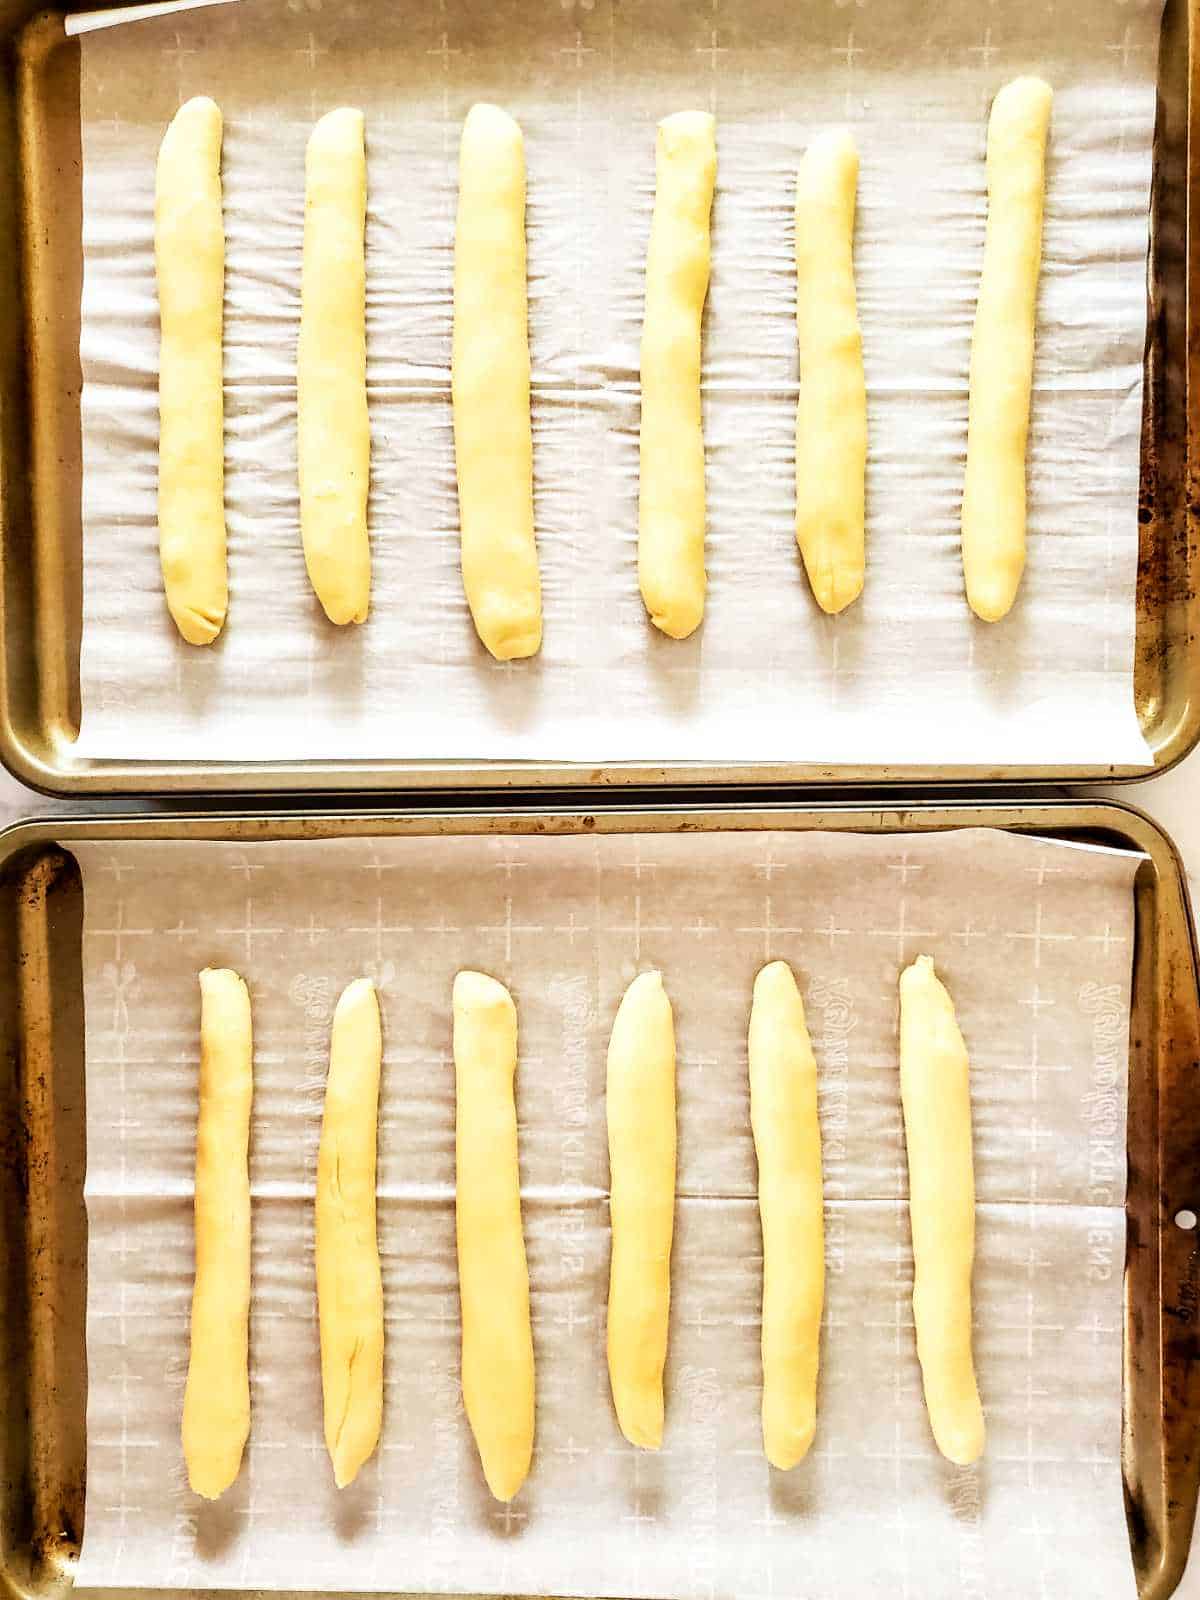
x=491, y=372
x=497, y=1340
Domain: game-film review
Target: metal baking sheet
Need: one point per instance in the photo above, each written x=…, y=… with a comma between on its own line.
x=42, y=1267
x=40, y=689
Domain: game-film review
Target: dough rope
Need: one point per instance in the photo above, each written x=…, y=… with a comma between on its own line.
x=216, y=1401
x=671, y=505
x=349, y=1284
x=787, y=1140
x=993, y=506
x=493, y=436
x=493, y=1277
x=935, y=1091
x=641, y=1154
x=333, y=426
x=189, y=260
x=831, y=415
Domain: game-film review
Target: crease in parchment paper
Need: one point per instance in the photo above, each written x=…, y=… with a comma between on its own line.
x=1035, y=942
x=906, y=675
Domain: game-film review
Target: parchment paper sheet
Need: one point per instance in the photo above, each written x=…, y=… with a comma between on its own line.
x=1034, y=939
x=906, y=674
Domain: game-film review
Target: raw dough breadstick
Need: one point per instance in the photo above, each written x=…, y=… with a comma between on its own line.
x=333, y=428
x=787, y=1138
x=216, y=1401
x=993, y=508
x=189, y=259
x=936, y=1094
x=493, y=438
x=671, y=504
x=493, y=1278
x=641, y=1158
x=831, y=417
x=349, y=1286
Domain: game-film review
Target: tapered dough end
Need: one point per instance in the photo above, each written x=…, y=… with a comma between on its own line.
x=348, y=1461
x=341, y=132
x=963, y=1443
x=489, y=127
x=775, y=981
x=992, y=566
x=991, y=598
x=349, y=1455
x=475, y=991
x=644, y=1019
x=210, y=1480
x=1027, y=100
x=197, y=119
x=195, y=625
x=776, y=1005
x=354, y=611
x=919, y=973
x=675, y=615
x=505, y=1478
x=642, y=1425
x=834, y=588
x=356, y=1042
x=832, y=147
x=687, y=130
x=646, y=990
x=223, y=985
x=356, y=996
x=920, y=981
x=513, y=639
x=785, y=1448
x=926, y=1003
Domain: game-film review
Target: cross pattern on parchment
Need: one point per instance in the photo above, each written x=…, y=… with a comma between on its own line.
x=630, y=872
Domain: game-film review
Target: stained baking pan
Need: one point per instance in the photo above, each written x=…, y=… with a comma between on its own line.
x=43, y=1246
x=40, y=477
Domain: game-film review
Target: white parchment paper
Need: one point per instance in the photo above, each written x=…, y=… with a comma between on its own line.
x=906, y=674
x=1034, y=939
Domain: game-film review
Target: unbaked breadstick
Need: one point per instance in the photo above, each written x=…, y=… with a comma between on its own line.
x=936, y=1095
x=493, y=438
x=641, y=1157
x=349, y=1286
x=993, y=508
x=831, y=417
x=671, y=506
x=216, y=1401
x=787, y=1139
x=493, y=1278
x=189, y=259
x=333, y=427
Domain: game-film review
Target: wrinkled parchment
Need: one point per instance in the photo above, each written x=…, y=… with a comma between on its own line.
x=906, y=675
x=1034, y=940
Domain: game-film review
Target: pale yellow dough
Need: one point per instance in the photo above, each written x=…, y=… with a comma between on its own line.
x=493, y=438
x=189, y=259
x=936, y=1094
x=216, y=1401
x=493, y=1277
x=641, y=1157
x=787, y=1139
x=671, y=509
x=831, y=417
x=993, y=508
x=349, y=1285
x=333, y=427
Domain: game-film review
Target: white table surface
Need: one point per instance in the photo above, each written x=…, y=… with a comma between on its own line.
x=1171, y=800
